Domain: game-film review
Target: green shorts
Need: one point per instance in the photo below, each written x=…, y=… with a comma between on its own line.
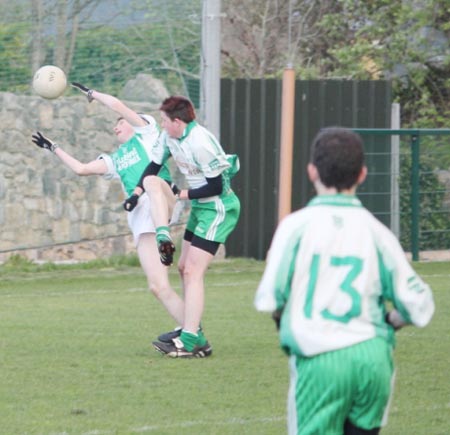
x=353, y=383
x=214, y=219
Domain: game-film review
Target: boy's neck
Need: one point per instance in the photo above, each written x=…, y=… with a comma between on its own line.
x=323, y=190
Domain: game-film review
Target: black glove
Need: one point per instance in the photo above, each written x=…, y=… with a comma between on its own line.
x=131, y=202
x=276, y=316
x=394, y=319
x=175, y=189
x=41, y=141
x=83, y=89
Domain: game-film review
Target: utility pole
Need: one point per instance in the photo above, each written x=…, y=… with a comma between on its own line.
x=286, y=142
x=210, y=66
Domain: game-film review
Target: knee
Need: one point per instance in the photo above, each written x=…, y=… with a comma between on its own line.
x=159, y=290
x=151, y=183
x=190, y=274
x=181, y=269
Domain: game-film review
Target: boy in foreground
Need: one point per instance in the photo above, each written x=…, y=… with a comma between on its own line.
x=331, y=268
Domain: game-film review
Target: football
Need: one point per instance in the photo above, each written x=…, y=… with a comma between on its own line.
x=49, y=82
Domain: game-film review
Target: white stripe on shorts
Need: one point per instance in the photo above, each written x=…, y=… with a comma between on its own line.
x=220, y=217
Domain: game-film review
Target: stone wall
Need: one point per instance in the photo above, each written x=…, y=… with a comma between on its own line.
x=46, y=211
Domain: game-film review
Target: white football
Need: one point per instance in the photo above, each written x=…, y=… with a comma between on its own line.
x=49, y=82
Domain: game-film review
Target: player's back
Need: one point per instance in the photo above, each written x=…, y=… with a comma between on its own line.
x=336, y=295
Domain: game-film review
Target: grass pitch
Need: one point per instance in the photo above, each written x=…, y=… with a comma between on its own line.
x=76, y=358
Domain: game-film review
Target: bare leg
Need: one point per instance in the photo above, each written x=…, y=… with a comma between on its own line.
x=162, y=200
x=193, y=265
x=158, y=278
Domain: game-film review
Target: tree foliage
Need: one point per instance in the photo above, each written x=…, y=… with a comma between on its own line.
x=14, y=70
x=407, y=42
x=155, y=37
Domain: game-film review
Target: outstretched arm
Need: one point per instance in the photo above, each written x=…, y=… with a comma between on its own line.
x=95, y=167
x=113, y=103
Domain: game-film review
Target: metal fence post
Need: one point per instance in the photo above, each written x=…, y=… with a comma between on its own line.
x=415, y=195
x=395, y=171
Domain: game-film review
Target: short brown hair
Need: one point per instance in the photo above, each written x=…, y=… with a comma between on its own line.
x=178, y=107
x=338, y=155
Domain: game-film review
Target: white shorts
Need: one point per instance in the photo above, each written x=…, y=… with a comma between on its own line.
x=140, y=220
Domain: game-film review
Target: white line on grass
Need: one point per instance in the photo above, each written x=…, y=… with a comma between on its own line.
x=186, y=424
x=230, y=421
x=109, y=291
x=436, y=275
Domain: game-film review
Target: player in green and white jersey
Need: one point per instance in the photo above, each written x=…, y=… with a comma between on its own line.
x=331, y=268
x=136, y=134
x=214, y=213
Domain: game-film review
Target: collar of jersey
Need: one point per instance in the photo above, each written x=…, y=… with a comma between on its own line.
x=187, y=130
x=131, y=141
x=337, y=199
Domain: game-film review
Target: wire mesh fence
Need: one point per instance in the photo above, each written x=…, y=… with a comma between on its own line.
x=102, y=43
x=409, y=185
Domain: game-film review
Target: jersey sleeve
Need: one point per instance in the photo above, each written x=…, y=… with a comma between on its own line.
x=111, y=170
x=160, y=151
x=148, y=134
x=274, y=288
x=410, y=295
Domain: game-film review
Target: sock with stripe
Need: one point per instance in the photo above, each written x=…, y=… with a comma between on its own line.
x=163, y=234
x=191, y=340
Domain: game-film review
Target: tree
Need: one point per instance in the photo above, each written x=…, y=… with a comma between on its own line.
x=57, y=21
x=100, y=40
x=261, y=36
x=406, y=42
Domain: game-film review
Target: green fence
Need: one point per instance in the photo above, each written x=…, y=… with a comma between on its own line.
x=415, y=184
x=250, y=127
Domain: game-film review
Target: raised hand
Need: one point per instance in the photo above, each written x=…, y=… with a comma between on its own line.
x=131, y=202
x=84, y=90
x=43, y=142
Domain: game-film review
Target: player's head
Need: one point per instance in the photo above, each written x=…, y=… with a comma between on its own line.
x=176, y=112
x=124, y=130
x=178, y=107
x=338, y=156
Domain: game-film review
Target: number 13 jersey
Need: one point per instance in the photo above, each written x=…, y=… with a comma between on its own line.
x=331, y=268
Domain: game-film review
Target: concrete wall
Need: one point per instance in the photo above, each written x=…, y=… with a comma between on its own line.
x=46, y=211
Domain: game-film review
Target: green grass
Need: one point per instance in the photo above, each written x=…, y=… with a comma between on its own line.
x=75, y=357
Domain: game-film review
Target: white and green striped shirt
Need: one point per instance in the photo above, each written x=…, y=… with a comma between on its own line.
x=331, y=267
x=197, y=154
